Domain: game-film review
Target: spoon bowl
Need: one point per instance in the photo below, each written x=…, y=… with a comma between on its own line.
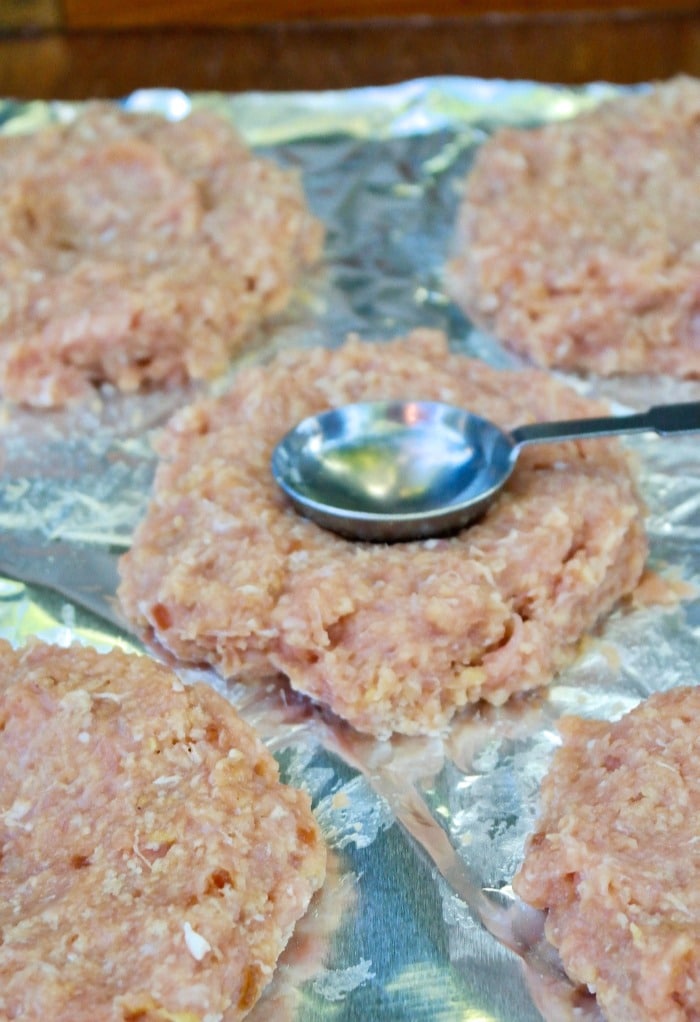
x=402, y=470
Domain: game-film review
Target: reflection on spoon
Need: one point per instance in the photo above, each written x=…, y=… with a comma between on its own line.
x=401, y=470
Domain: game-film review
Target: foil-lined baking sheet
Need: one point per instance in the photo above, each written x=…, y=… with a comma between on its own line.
x=417, y=920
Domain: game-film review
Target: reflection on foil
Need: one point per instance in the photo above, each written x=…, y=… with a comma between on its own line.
x=417, y=920
x=302, y=959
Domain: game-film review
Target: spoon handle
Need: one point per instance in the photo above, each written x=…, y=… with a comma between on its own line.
x=662, y=419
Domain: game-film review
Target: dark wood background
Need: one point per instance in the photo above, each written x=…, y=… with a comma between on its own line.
x=87, y=48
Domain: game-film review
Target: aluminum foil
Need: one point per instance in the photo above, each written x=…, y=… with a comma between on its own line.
x=417, y=920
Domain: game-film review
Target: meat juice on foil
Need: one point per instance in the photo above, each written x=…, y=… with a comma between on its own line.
x=417, y=920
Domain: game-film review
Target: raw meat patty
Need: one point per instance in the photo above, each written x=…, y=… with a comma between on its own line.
x=152, y=866
x=578, y=243
x=138, y=252
x=615, y=858
x=391, y=637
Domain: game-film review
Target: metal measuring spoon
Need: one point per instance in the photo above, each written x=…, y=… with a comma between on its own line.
x=400, y=470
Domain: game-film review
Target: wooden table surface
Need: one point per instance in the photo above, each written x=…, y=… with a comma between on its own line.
x=87, y=57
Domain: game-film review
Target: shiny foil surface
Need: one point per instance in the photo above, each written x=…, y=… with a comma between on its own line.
x=417, y=920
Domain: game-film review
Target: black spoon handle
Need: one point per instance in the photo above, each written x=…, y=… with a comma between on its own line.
x=662, y=419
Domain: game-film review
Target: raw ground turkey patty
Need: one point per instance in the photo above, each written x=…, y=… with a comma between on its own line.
x=139, y=252
x=397, y=637
x=578, y=243
x=152, y=866
x=615, y=858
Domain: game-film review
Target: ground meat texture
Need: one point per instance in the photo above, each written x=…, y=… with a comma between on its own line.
x=139, y=252
x=391, y=637
x=152, y=866
x=578, y=243
x=615, y=858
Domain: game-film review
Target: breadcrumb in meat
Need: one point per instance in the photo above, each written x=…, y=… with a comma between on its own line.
x=615, y=858
x=578, y=242
x=152, y=866
x=139, y=252
x=391, y=637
